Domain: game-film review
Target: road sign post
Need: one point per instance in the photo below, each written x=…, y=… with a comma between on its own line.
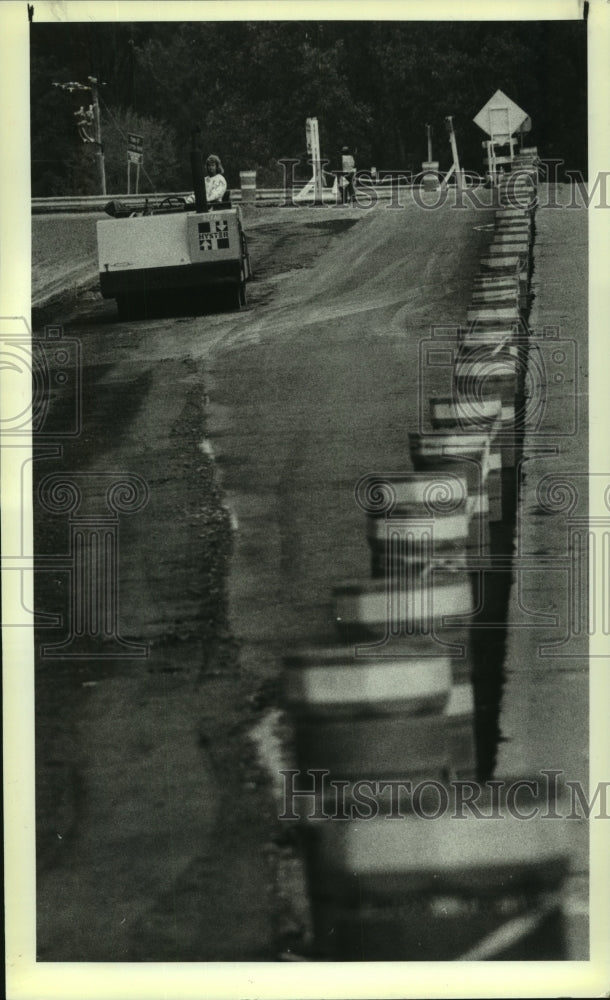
x=430, y=175
x=135, y=155
x=501, y=118
x=314, y=186
x=455, y=166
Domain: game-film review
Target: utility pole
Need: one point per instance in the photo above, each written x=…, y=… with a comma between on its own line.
x=99, y=153
x=92, y=87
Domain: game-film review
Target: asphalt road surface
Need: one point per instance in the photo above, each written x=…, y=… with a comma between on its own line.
x=156, y=824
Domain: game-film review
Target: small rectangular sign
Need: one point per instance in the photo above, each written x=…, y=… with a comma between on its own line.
x=214, y=235
x=135, y=143
x=133, y=157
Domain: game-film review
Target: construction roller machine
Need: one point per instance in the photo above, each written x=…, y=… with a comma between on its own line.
x=181, y=247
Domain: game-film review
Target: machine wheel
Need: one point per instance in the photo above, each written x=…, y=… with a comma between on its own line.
x=245, y=256
x=236, y=295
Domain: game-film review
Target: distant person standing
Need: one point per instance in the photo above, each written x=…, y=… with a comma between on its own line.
x=348, y=173
x=215, y=184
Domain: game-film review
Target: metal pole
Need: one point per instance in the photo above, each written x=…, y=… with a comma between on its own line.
x=454, y=151
x=98, y=134
x=128, y=175
x=317, y=171
x=201, y=200
x=429, y=136
x=456, y=160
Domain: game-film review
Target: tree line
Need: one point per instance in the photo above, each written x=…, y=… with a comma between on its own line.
x=249, y=86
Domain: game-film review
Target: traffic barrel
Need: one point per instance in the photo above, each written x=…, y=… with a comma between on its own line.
x=522, y=223
x=430, y=177
x=479, y=536
x=486, y=373
x=247, y=181
x=486, y=284
x=373, y=748
x=517, y=245
x=495, y=489
x=517, y=191
x=482, y=375
x=513, y=213
x=457, y=451
x=508, y=232
x=464, y=454
x=449, y=413
x=459, y=712
x=522, y=170
x=506, y=251
x=502, y=264
x=481, y=281
x=434, y=606
x=502, y=293
x=433, y=492
x=413, y=519
x=453, y=412
x=430, y=523
x=416, y=540
x=438, y=924
x=334, y=682
x=493, y=314
x=490, y=333
x=445, y=882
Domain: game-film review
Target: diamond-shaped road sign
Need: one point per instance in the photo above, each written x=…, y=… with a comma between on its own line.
x=500, y=117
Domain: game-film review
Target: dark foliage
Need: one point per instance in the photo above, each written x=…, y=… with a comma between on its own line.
x=248, y=87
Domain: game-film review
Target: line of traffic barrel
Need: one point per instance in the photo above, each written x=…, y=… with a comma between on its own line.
x=388, y=705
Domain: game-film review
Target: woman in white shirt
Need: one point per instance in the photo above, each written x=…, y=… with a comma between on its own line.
x=215, y=184
x=348, y=168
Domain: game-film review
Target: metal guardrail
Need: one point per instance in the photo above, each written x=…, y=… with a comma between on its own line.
x=136, y=203
x=98, y=202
